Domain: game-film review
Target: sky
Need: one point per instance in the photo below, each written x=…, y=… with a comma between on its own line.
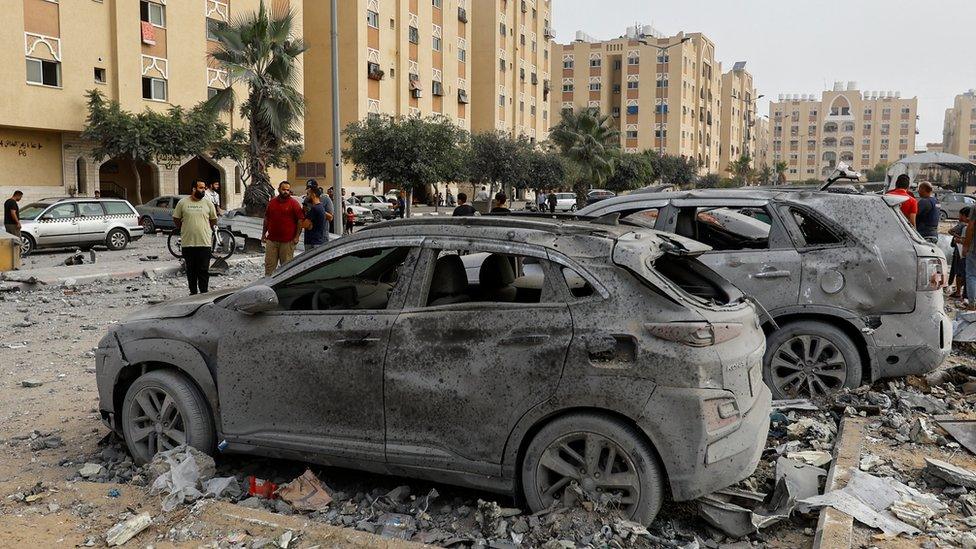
x=923, y=49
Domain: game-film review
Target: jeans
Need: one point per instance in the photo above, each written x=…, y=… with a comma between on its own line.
x=196, y=260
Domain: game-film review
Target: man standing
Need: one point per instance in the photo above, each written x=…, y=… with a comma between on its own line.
x=98, y=193
x=464, y=209
x=316, y=220
x=552, y=200
x=482, y=194
x=213, y=195
x=195, y=217
x=500, y=207
x=11, y=214
x=910, y=206
x=927, y=220
x=540, y=200
x=957, y=271
x=282, y=229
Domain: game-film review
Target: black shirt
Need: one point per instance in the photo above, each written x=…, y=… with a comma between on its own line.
x=464, y=210
x=927, y=219
x=500, y=210
x=10, y=208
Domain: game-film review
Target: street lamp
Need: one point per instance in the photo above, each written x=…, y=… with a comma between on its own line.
x=662, y=51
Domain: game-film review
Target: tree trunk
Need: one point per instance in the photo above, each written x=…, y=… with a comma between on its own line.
x=135, y=173
x=408, y=203
x=259, y=191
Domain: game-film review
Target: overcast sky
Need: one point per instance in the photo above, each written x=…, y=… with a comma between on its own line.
x=922, y=49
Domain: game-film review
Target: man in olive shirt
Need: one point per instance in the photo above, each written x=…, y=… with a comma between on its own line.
x=195, y=218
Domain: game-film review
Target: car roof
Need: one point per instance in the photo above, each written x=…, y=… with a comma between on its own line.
x=59, y=199
x=500, y=226
x=797, y=196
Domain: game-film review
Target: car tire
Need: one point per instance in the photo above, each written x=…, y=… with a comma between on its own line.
x=27, y=245
x=117, y=239
x=572, y=208
x=148, y=225
x=796, y=366
x=943, y=215
x=377, y=216
x=186, y=420
x=631, y=451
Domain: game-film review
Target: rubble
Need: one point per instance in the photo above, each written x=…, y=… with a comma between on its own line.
x=307, y=493
x=956, y=476
x=91, y=470
x=184, y=475
x=31, y=383
x=127, y=529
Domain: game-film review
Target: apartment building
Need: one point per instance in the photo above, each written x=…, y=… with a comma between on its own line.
x=959, y=133
x=512, y=63
x=663, y=92
x=738, y=135
x=145, y=54
x=862, y=129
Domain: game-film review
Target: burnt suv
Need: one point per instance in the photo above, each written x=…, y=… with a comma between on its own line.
x=849, y=289
x=516, y=355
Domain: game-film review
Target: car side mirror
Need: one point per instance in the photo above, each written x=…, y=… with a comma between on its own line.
x=253, y=300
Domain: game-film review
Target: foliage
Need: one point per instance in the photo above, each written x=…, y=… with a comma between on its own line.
x=765, y=175
x=588, y=140
x=633, y=171
x=547, y=170
x=261, y=51
x=673, y=170
x=409, y=152
x=741, y=169
x=495, y=158
x=780, y=168
x=709, y=181
x=877, y=173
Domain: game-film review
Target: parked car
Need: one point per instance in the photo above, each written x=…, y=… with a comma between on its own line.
x=951, y=203
x=851, y=291
x=363, y=215
x=596, y=195
x=573, y=340
x=157, y=214
x=566, y=202
x=380, y=208
x=81, y=222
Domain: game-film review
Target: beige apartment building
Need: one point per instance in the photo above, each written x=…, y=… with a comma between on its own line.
x=668, y=101
x=760, y=155
x=862, y=129
x=145, y=54
x=738, y=134
x=959, y=134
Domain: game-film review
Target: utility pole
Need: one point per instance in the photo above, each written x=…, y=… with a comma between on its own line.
x=337, y=206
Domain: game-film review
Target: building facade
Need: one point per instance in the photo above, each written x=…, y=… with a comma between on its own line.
x=738, y=135
x=665, y=100
x=144, y=54
x=862, y=129
x=959, y=133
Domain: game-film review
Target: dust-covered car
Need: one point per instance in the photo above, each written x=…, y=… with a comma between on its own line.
x=851, y=291
x=603, y=355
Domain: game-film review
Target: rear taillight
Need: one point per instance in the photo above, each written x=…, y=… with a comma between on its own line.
x=931, y=274
x=695, y=334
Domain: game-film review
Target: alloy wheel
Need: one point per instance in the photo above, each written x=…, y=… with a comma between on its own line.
x=808, y=366
x=118, y=240
x=599, y=465
x=157, y=424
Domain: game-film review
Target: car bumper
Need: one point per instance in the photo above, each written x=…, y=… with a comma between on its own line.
x=697, y=462
x=913, y=343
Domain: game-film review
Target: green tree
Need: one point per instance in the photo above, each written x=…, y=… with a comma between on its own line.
x=587, y=139
x=495, y=159
x=633, y=171
x=765, y=174
x=144, y=137
x=409, y=152
x=709, y=181
x=877, y=173
x=547, y=170
x=780, y=169
x=741, y=169
x=261, y=51
x=673, y=170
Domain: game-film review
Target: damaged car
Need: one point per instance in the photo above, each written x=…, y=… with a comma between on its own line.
x=850, y=291
x=521, y=356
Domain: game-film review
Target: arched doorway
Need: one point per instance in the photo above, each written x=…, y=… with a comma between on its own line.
x=199, y=168
x=81, y=175
x=117, y=179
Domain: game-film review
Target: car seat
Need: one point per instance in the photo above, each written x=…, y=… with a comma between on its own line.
x=449, y=283
x=495, y=279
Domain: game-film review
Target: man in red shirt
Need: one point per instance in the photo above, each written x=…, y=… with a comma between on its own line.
x=282, y=229
x=910, y=206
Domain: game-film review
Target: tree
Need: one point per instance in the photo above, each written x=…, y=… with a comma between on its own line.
x=408, y=152
x=633, y=171
x=587, y=139
x=765, y=174
x=261, y=51
x=143, y=137
x=709, y=181
x=781, y=168
x=673, y=170
x=741, y=169
x=495, y=158
x=877, y=173
x=547, y=170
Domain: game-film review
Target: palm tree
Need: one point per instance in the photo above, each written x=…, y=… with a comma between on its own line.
x=589, y=140
x=741, y=169
x=765, y=174
x=781, y=168
x=261, y=51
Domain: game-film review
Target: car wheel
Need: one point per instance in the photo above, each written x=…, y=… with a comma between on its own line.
x=163, y=410
x=600, y=454
x=810, y=359
x=148, y=225
x=943, y=215
x=27, y=245
x=572, y=208
x=117, y=239
x=377, y=216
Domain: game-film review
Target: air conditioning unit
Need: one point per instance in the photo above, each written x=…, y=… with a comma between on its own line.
x=462, y=15
x=463, y=97
x=525, y=6
x=548, y=33
x=437, y=89
x=374, y=71
x=416, y=93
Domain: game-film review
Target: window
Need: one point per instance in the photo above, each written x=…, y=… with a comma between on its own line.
x=501, y=100
x=568, y=63
x=617, y=64
x=482, y=277
x=213, y=27
x=211, y=92
x=502, y=30
x=153, y=13
x=436, y=43
x=631, y=134
x=633, y=109
x=730, y=228
x=633, y=85
x=373, y=19
x=813, y=230
x=567, y=87
x=596, y=62
x=117, y=208
x=578, y=286
x=90, y=209
x=437, y=3
x=462, y=50
x=633, y=60
x=154, y=89
x=413, y=34
x=362, y=280
x=595, y=86
x=61, y=211
x=45, y=73
x=100, y=75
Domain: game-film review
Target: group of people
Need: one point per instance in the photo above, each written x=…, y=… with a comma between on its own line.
x=498, y=206
x=545, y=200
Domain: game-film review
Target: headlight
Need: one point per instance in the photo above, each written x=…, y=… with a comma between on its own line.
x=695, y=334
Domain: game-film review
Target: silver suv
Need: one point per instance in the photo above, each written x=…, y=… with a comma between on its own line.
x=83, y=222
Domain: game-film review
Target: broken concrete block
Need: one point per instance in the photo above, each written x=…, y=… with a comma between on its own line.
x=31, y=383
x=914, y=513
x=956, y=476
x=817, y=458
x=126, y=530
x=921, y=433
x=869, y=462
x=90, y=470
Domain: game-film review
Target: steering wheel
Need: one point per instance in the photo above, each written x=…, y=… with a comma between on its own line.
x=316, y=298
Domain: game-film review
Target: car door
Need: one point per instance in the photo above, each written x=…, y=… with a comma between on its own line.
x=309, y=376
x=162, y=212
x=58, y=225
x=750, y=246
x=92, y=223
x=466, y=361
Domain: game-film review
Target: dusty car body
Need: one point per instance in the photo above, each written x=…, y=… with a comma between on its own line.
x=850, y=290
x=509, y=384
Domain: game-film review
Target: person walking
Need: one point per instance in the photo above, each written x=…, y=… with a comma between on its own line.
x=552, y=200
x=317, y=219
x=540, y=200
x=195, y=218
x=282, y=229
x=464, y=209
x=11, y=213
x=927, y=219
x=450, y=199
x=909, y=207
x=401, y=208
x=957, y=272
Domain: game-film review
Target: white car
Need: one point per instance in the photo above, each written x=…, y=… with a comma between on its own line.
x=566, y=202
x=82, y=222
x=363, y=215
x=380, y=207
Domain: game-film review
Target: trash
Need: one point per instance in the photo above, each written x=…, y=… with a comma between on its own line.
x=284, y=540
x=222, y=487
x=963, y=430
x=90, y=470
x=817, y=458
x=114, y=493
x=307, y=493
x=739, y=513
x=810, y=428
x=184, y=471
x=260, y=487
x=219, y=267
x=31, y=383
x=951, y=474
x=920, y=432
x=803, y=480
x=801, y=404
x=396, y=525
x=918, y=401
x=398, y=494
x=128, y=529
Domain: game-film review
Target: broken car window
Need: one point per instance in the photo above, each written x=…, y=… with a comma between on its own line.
x=578, y=286
x=814, y=231
x=729, y=228
x=644, y=218
x=482, y=277
x=356, y=281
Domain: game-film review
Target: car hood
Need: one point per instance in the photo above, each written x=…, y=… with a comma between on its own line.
x=178, y=308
